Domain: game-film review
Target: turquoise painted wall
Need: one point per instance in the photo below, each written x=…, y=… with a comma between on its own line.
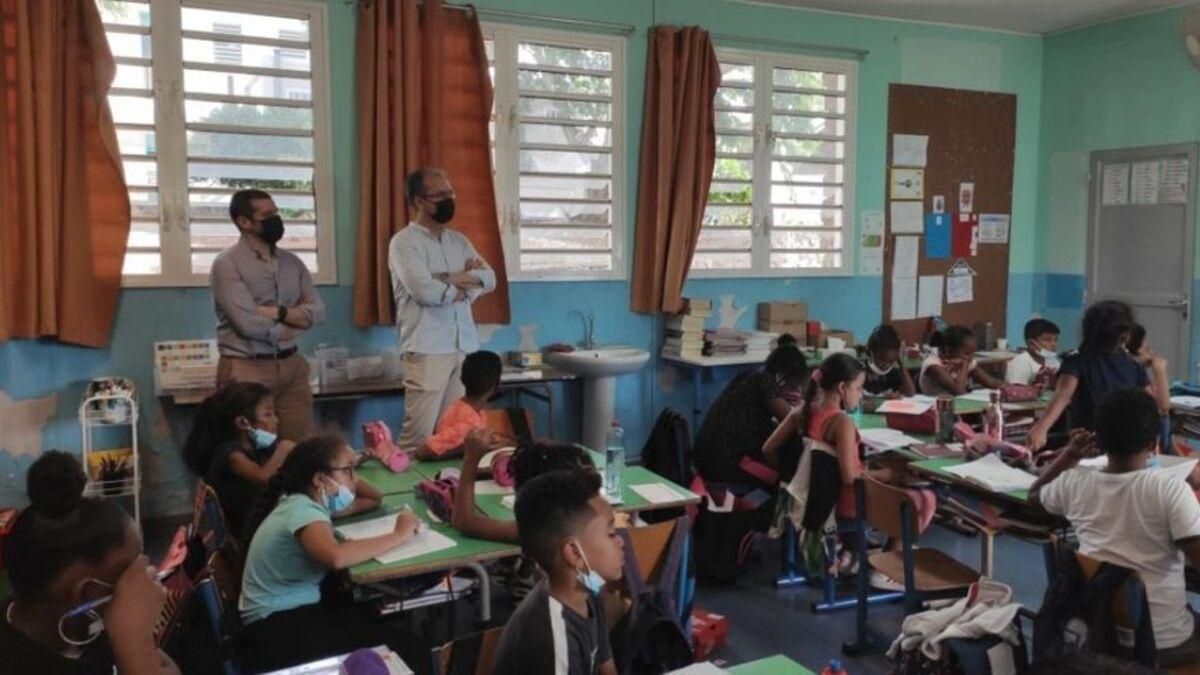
x=1122, y=84
x=900, y=52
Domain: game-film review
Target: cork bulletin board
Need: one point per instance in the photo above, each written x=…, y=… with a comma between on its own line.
x=972, y=136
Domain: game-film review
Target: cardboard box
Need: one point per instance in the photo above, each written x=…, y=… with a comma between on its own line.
x=797, y=329
x=844, y=335
x=782, y=311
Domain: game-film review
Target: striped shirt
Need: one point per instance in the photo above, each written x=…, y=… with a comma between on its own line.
x=545, y=636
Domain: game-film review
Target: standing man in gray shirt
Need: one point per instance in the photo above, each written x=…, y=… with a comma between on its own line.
x=436, y=276
x=265, y=299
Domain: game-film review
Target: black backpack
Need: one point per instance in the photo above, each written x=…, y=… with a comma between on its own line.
x=650, y=639
x=668, y=449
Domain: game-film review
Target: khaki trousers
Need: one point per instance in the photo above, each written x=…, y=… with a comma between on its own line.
x=431, y=383
x=288, y=381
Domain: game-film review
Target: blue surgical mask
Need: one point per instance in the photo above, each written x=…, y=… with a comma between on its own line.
x=339, y=501
x=592, y=581
x=261, y=438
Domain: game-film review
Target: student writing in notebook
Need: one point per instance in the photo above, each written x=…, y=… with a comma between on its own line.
x=952, y=366
x=885, y=373
x=286, y=621
x=1131, y=515
x=1039, y=363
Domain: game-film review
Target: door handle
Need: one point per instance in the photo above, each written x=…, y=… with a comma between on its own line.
x=1182, y=305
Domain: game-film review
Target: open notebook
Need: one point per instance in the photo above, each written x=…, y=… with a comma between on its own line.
x=992, y=473
x=427, y=540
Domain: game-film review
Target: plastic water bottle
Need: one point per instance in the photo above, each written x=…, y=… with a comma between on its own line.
x=834, y=668
x=993, y=417
x=614, y=460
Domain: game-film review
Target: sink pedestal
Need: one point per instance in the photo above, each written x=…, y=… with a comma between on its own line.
x=599, y=402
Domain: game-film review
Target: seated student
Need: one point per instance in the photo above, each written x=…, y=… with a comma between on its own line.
x=952, y=366
x=823, y=422
x=528, y=461
x=66, y=550
x=1132, y=516
x=233, y=446
x=481, y=378
x=1101, y=365
x=746, y=412
x=293, y=548
x=886, y=374
x=568, y=527
x=1039, y=362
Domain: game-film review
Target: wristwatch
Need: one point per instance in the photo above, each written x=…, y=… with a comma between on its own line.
x=282, y=316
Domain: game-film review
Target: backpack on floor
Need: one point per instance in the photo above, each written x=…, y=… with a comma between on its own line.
x=649, y=640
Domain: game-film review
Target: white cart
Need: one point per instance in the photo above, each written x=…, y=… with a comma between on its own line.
x=109, y=424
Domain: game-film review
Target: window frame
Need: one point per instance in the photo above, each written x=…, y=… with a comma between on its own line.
x=170, y=136
x=764, y=63
x=506, y=167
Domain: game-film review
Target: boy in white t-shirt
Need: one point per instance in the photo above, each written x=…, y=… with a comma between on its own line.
x=1131, y=515
x=1039, y=362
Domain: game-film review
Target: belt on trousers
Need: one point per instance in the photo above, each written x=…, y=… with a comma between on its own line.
x=277, y=356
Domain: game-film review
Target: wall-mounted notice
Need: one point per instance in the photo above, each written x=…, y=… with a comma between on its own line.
x=993, y=228
x=939, y=204
x=908, y=183
x=1174, y=186
x=937, y=236
x=1145, y=180
x=870, y=252
x=904, y=264
x=906, y=218
x=929, y=295
x=960, y=288
x=1115, y=185
x=966, y=197
x=909, y=150
x=904, y=298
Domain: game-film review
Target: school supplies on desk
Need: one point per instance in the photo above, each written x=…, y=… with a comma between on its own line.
x=426, y=540
x=917, y=405
x=657, y=493
x=981, y=395
x=882, y=440
x=992, y=473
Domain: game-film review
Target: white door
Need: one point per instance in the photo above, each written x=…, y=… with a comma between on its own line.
x=1140, y=241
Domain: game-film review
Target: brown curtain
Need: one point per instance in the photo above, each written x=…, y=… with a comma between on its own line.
x=64, y=209
x=424, y=99
x=678, y=150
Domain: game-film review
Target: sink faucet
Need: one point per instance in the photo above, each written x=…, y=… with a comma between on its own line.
x=589, y=324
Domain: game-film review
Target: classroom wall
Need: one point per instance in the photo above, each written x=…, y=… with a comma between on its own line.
x=1121, y=84
x=901, y=52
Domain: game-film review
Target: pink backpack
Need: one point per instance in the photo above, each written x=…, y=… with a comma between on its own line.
x=379, y=445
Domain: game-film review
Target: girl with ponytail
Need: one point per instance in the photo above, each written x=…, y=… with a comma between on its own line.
x=233, y=446
x=65, y=552
x=293, y=547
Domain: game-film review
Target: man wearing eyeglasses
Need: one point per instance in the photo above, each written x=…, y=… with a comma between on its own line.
x=436, y=276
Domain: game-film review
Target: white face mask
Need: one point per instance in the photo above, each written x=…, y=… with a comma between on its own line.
x=877, y=370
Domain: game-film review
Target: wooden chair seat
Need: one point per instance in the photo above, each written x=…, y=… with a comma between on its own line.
x=934, y=571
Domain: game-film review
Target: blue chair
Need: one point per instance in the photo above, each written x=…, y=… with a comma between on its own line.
x=793, y=572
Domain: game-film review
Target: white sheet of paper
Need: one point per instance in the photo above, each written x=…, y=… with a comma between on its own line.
x=983, y=395
x=872, y=222
x=1186, y=401
x=1115, y=185
x=904, y=298
x=870, y=251
x=426, y=541
x=909, y=149
x=907, y=183
x=993, y=228
x=1174, y=187
x=907, y=217
x=960, y=288
x=929, y=295
x=365, y=529
x=656, y=493
x=886, y=439
x=508, y=501
x=939, y=204
x=991, y=472
x=1146, y=180
x=491, y=487
x=904, y=260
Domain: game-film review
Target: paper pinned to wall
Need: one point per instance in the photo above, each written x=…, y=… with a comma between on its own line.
x=939, y=204
x=960, y=288
x=993, y=228
x=1174, y=187
x=906, y=217
x=904, y=298
x=1115, y=185
x=909, y=150
x=966, y=197
x=904, y=262
x=937, y=236
x=1146, y=180
x=929, y=295
x=908, y=183
x=870, y=251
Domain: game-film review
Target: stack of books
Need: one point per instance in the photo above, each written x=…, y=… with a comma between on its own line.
x=724, y=342
x=685, y=331
x=760, y=343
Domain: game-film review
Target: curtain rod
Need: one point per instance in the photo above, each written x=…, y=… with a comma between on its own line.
x=619, y=28
x=859, y=54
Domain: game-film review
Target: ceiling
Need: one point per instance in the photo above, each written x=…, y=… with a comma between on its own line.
x=1024, y=16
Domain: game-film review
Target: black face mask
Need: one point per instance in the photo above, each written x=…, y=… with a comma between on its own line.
x=444, y=212
x=272, y=229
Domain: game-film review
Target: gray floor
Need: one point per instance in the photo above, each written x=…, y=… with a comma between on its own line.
x=765, y=621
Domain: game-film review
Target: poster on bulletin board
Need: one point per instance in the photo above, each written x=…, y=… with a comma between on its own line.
x=966, y=235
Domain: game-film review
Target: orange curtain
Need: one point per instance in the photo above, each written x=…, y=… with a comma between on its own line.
x=64, y=209
x=678, y=151
x=424, y=99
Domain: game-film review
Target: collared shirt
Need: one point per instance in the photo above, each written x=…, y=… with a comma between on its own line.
x=428, y=317
x=242, y=280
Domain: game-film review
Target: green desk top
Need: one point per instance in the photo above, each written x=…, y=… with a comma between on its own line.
x=387, y=481
x=772, y=665
x=468, y=549
x=939, y=465
x=492, y=506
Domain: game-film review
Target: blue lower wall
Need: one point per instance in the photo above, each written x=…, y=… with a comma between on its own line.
x=35, y=368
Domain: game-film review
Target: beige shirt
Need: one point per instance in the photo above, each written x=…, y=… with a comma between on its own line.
x=242, y=280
